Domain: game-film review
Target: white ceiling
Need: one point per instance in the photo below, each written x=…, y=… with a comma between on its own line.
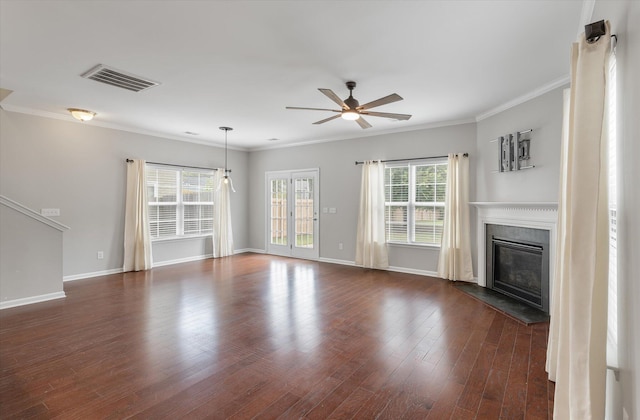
x=239, y=63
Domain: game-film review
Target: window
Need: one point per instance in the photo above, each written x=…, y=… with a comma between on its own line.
x=414, y=196
x=180, y=201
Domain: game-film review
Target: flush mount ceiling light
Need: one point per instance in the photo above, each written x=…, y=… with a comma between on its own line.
x=81, y=114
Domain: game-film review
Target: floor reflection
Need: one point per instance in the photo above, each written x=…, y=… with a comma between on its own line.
x=293, y=310
x=181, y=326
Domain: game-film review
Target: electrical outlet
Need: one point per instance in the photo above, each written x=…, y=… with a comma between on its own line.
x=332, y=210
x=50, y=212
x=100, y=255
x=340, y=246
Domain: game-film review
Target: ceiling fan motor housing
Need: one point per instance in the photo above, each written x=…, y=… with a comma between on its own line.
x=351, y=102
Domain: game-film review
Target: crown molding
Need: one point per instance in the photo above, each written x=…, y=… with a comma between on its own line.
x=373, y=134
x=564, y=80
x=102, y=124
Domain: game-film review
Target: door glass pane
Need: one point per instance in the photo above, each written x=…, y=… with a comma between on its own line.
x=304, y=212
x=278, y=220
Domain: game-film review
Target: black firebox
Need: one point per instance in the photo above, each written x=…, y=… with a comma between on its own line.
x=518, y=263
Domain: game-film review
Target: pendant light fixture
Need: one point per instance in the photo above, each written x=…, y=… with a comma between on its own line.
x=226, y=179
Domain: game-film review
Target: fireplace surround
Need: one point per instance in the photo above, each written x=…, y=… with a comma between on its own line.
x=517, y=263
x=525, y=234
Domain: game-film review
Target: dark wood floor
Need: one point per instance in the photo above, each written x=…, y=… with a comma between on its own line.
x=267, y=337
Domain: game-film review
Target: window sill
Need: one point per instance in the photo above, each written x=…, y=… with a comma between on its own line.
x=180, y=238
x=405, y=245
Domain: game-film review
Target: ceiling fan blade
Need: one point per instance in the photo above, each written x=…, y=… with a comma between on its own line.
x=313, y=109
x=327, y=119
x=335, y=98
x=394, y=97
x=363, y=123
x=386, y=115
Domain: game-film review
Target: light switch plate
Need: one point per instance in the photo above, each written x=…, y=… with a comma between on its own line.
x=50, y=212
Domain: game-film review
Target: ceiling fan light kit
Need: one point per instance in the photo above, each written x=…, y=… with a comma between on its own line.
x=352, y=110
x=350, y=115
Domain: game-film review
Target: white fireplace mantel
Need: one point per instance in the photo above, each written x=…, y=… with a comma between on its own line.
x=537, y=215
x=522, y=205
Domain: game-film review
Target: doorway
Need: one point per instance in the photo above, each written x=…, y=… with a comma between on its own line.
x=292, y=213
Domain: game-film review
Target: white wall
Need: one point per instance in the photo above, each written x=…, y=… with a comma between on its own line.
x=625, y=22
x=542, y=114
x=340, y=185
x=80, y=168
x=629, y=250
x=30, y=259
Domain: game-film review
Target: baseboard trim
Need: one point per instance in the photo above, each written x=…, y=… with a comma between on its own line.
x=335, y=261
x=391, y=268
x=182, y=260
x=257, y=251
x=32, y=299
x=244, y=250
x=155, y=264
x=74, y=277
x=413, y=271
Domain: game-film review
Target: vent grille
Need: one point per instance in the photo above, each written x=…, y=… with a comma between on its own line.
x=113, y=77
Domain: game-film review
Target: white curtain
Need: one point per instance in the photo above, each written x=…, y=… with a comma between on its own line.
x=371, y=247
x=222, y=229
x=454, y=262
x=576, y=358
x=137, y=239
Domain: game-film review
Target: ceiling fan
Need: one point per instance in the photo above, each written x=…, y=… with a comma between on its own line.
x=352, y=110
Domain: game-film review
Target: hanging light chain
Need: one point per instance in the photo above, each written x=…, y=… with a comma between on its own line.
x=226, y=130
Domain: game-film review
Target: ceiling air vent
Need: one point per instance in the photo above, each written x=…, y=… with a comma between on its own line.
x=113, y=77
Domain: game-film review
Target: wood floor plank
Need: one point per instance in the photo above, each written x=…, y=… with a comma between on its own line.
x=514, y=403
x=258, y=336
x=351, y=404
x=306, y=404
x=446, y=401
x=474, y=388
x=280, y=406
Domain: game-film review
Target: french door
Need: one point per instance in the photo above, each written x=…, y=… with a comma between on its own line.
x=292, y=213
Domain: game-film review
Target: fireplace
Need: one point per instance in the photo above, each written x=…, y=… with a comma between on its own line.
x=516, y=248
x=517, y=263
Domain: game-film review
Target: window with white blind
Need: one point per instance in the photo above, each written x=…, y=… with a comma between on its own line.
x=180, y=201
x=414, y=202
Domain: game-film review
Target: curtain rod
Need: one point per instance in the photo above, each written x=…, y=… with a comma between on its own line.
x=179, y=166
x=420, y=158
x=593, y=31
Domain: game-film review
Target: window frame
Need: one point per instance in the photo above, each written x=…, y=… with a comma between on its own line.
x=180, y=203
x=412, y=204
